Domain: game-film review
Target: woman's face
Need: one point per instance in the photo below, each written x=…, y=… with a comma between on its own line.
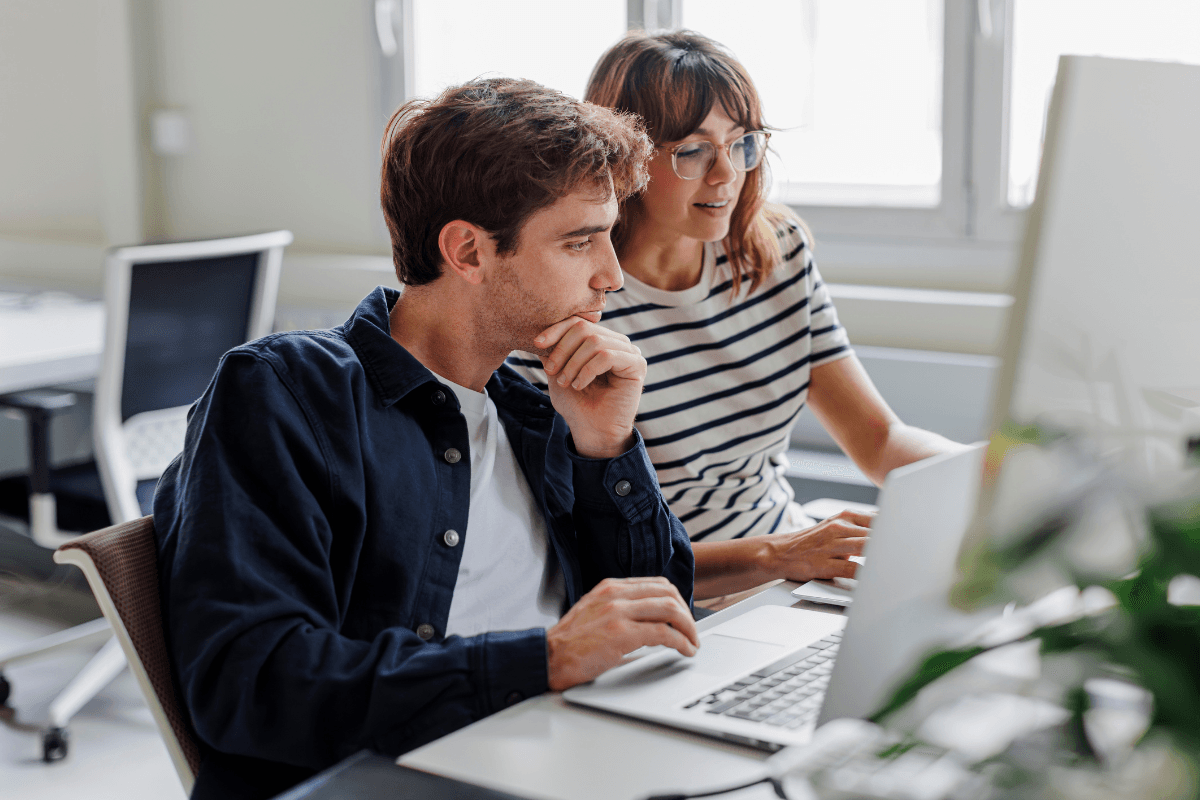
x=698, y=209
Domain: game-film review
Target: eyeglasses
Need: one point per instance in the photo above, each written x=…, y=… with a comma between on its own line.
x=693, y=160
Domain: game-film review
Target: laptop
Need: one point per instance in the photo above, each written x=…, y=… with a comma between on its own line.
x=768, y=677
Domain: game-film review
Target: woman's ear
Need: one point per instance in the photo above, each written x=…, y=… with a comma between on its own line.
x=460, y=243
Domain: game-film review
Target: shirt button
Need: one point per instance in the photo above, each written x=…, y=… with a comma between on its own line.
x=438, y=398
x=450, y=537
x=513, y=698
x=622, y=488
x=452, y=456
x=425, y=631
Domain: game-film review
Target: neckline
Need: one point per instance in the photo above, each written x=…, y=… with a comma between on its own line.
x=682, y=297
x=469, y=401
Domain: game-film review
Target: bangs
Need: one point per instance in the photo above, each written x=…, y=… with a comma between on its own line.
x=687, y=87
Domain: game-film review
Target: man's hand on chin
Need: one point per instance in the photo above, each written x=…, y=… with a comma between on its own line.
x=595, y=378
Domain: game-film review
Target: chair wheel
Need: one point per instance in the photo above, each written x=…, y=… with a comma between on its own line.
x=5, y=690
x=54, y=745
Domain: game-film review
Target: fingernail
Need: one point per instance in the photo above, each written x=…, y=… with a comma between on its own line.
x=562, y=380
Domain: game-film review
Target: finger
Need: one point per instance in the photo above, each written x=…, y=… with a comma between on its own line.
x=574, y=337
x=627, y=366
x=850, y=546
x=665, y=586
x=863, y=518
x=838, y=568
x=582, y=343
x=666, y=610
x=550, y=337
x=632, y=588
x=650, y=634
x=840, y=529
x=574, y=351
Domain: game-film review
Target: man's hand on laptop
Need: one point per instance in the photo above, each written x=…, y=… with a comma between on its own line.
x=822, y=551
x=595, y=377
x=612, y=620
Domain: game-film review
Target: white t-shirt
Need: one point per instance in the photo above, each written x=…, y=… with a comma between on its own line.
x=727, y=376
x=508, y=578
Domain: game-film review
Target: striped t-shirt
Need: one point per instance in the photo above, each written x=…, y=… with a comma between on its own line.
x=727, y=378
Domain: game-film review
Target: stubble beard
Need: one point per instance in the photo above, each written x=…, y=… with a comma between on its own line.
x=515, y=316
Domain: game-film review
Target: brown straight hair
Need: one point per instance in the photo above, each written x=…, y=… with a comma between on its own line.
x=492, y=152
x=672, y=81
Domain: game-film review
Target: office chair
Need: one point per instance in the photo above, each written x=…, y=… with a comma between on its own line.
x=172, y=311
x=121, y=566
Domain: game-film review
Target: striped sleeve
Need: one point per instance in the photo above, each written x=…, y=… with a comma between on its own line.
x=829, y=339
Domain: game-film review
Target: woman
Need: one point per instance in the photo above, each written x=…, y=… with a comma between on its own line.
x=723, y=299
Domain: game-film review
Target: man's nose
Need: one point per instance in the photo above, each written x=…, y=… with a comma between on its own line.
x=608, y=277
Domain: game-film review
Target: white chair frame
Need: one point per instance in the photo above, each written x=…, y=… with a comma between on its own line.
x=110, y=438
x=117, y=474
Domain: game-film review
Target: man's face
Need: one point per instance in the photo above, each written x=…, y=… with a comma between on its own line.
x=563, y=266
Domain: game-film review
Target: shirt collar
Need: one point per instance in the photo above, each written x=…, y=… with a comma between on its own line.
x=393, y=372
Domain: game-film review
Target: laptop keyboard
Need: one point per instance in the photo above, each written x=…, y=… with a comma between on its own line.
x=786, y=693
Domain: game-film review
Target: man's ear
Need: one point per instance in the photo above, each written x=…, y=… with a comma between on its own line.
x=462, y=246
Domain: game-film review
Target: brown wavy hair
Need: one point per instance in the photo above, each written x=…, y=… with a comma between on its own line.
x=492, y=152
x=673, y=80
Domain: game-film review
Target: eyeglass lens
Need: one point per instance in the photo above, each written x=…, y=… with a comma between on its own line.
x=695, y=159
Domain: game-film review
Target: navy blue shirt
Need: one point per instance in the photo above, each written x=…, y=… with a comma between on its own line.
x=306, y=581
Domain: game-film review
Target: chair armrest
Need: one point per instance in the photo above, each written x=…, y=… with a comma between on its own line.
x=47, y=400
x=38, y=406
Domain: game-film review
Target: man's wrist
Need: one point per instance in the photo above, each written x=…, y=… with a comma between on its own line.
x=603, y=449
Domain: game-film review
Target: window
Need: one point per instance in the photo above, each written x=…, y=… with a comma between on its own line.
x=853, y=87
x=1042, y=30
x=902, y=123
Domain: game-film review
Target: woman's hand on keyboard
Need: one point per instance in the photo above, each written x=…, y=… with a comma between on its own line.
x=822, y=551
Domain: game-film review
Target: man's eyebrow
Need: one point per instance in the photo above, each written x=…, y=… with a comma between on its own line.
x=586, y=231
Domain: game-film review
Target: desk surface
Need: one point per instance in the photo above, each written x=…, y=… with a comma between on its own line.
x=48, y=339
x=546, y=748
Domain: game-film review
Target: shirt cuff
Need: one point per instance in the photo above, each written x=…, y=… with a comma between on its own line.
x=515, y=667
x=627, y=482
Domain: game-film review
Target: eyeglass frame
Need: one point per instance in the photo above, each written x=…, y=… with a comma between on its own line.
x=716, y=150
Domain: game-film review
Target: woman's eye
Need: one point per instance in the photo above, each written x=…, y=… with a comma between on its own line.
x=689, y=152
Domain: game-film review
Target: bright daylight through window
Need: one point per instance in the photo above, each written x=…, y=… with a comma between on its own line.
x=855, y=87
x=1167, y=30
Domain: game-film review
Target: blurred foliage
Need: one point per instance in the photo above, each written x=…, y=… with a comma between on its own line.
x=1143, y=638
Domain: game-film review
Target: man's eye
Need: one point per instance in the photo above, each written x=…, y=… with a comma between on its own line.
x=579, y=247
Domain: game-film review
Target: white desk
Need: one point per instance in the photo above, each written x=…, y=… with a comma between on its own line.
x=546, y=748
x=48, y=339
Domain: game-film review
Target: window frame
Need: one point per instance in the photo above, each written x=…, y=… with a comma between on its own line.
x=973, y=209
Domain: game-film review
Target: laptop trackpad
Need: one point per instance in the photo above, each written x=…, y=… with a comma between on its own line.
x=722, y=655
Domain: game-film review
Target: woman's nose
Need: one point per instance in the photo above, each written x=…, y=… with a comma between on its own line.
x=722, y=170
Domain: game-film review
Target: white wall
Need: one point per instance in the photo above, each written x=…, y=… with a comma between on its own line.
x=68, y=168
x=283, y=104
x=283, y=100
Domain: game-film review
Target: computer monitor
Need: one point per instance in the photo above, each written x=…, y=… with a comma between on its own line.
x=1104, y=337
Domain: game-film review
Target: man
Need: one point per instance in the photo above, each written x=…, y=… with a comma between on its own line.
x=373, y=531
